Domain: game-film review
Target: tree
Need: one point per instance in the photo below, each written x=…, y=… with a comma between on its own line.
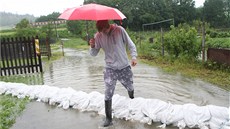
x=24, y=23
x=23, y=29
x=183, y=11
x=227, y=11
x=75, y=27
x=140, y=12
x=214, y=13
x=46, y=31
x=51, y=17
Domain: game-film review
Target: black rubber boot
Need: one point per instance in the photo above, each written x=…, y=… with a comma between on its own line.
x=131, y=94
x=108, y=113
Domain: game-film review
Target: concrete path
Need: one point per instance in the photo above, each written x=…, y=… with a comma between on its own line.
x=39, y=115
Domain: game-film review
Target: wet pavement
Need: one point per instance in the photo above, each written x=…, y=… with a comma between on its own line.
x=85, y=73
x=43, y=116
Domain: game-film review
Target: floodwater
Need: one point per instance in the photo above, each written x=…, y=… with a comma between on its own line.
x=77, y=69
x=83, y=72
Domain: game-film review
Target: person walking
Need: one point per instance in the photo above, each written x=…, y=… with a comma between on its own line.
x=113, y=39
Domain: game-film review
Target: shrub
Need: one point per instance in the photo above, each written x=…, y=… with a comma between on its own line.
x=26, y=32
x=182, y=41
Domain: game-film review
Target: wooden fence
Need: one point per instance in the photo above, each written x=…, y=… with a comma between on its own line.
x=19, y=56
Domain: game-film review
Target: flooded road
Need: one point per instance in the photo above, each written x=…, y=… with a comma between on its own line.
x=78, y=70
x=85, y=73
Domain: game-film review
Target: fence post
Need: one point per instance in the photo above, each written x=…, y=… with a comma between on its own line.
x=203, y=42
x=162, y=41
x=48, y=48
x=38, y=53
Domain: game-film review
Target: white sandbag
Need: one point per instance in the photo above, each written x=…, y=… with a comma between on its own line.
x=64, y=96
x=138, y=109
x=220, y=116
x=171, y=115
x=196, y=116
x=96, y=101
x=80, y=100
x=135, y=106
x=120, y=107
x=3, y=88
x=152, y=107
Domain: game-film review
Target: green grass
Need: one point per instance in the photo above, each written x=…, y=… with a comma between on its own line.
x=55, y=56
x=6, y=28
x=10, y=108
x=75, y=43
x=7, y=33
x=30, y=79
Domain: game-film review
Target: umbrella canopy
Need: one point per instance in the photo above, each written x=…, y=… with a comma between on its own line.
x=92, y=12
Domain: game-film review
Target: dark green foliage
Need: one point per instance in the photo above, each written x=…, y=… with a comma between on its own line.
x=215, y=13
x=51, y=17
x=140, y=12
x=217, y=34
x=75, y=27
x=80, y=28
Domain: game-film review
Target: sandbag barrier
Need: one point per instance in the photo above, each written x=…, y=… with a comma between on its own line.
x=137, y=109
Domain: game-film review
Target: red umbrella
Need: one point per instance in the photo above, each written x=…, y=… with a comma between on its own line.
x=92, y=12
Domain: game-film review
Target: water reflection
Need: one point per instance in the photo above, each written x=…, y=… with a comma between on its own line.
x=82, y=72
x=30, y=79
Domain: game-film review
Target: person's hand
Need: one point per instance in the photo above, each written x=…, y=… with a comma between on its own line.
x=92, y=43
x=133, y=62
